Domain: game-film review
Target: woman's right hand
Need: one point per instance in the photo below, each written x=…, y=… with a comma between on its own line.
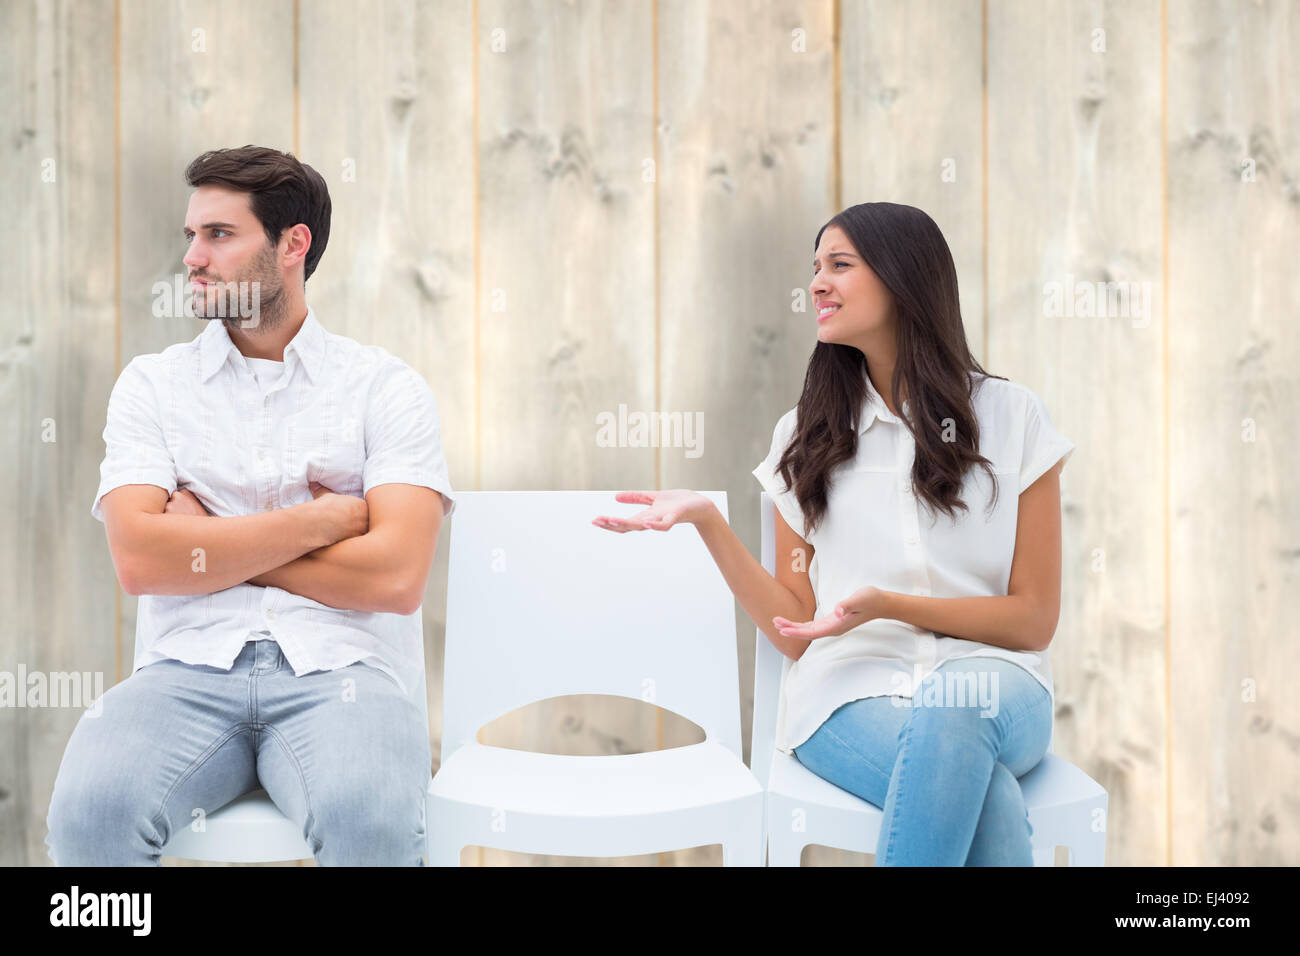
x=345, y=516
x=667, y=508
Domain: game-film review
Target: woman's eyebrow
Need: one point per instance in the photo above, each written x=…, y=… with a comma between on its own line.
x=832, y=254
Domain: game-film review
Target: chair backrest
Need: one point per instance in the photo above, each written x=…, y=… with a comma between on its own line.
x=770, y=665
x=542, y=603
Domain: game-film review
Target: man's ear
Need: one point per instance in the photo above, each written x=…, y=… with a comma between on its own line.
x=297, y=240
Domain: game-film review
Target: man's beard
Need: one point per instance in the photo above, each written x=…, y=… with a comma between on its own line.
x=254, y=302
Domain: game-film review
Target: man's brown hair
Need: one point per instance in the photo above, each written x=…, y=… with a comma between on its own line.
x=283, y=191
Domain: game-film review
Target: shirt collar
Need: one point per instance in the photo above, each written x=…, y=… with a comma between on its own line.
x=873, y=407
x=308, y=344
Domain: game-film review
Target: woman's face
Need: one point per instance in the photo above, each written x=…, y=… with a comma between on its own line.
x=861, y=307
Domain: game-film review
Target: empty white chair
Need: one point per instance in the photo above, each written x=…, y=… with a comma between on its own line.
x=541, y=603
x=1066, y=806
x=251, y=828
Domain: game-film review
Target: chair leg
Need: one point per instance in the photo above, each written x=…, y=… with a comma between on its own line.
x=783, y=849
x=1090, y=851
x=443, y=853
x=742, y=853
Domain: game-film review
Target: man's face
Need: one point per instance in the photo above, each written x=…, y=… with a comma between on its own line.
x=233, y=269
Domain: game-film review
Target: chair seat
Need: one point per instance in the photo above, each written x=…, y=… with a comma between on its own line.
x=561, y=785
x=1055, y=782
x=792, y=779
x=249, y=829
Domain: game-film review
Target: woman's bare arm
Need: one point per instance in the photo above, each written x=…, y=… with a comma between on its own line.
x=761, y=595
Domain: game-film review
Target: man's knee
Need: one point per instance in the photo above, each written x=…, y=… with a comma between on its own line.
x=100, y=814
x=98, y=820
x=361, y=825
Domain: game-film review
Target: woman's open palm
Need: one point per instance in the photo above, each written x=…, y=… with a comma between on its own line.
x=666, y=508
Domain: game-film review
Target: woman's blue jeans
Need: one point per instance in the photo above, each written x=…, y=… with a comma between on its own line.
x=944, y=766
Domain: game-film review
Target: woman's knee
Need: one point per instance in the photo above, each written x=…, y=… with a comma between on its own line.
x=1004, y=792
x=954, y=728
x=972, y=698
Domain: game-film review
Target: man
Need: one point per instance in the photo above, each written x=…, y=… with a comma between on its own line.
x=273, y=492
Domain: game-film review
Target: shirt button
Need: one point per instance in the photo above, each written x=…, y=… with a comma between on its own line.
x=270, y=615
x=911, y=539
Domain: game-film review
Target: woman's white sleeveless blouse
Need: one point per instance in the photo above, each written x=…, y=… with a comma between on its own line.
x=876, y=532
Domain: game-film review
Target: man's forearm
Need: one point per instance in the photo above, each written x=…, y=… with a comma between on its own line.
x=1009, y=621
x=357, y=574
x=189, y=554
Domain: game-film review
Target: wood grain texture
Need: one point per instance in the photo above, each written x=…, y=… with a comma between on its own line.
x=1234, y=114
x=1074, y=191
x=566, y=310
x=494, y=226
x=386, y=107
x=57, y=586
x=179, y=98
x=195, y=76
x=911, y=125
x=745, y=137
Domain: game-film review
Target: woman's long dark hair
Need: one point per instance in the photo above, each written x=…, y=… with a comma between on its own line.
x=905, y=249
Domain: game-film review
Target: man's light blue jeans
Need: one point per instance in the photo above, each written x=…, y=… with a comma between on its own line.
x=944, y=773
x=344, y=754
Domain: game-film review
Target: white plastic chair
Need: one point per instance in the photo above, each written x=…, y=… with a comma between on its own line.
x=541, y=603
x=251, y=828
x=1064, y=802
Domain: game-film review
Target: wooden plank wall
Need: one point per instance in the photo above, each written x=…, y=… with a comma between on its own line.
x=1074, y=189
x=61, y=605
x=1233, y=137
x=551, y=209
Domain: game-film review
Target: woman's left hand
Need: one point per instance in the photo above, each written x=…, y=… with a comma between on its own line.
x=858, y=608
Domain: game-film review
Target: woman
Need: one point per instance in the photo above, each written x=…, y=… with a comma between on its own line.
x=917, y=626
